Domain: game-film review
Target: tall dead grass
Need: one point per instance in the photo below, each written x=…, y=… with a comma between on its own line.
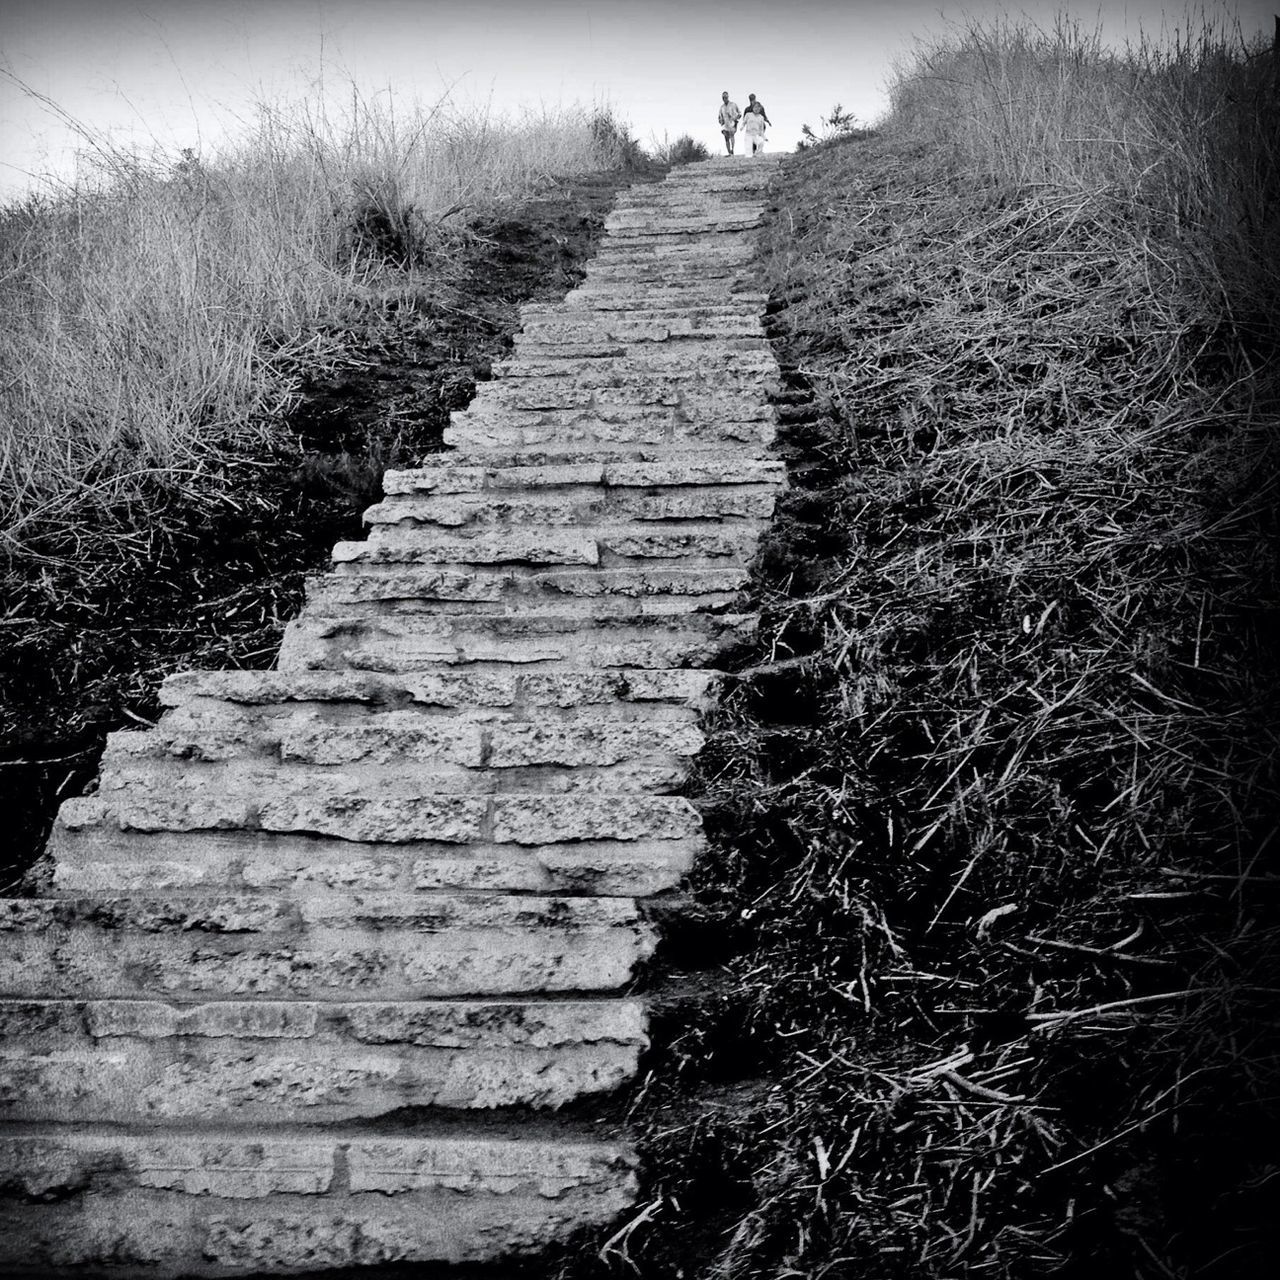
x=157, y=311
x=993, y=806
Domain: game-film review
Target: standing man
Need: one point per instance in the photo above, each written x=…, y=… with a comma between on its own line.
x=729, y=117
x=753, y=123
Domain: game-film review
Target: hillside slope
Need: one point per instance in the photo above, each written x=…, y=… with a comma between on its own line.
x=987, y=951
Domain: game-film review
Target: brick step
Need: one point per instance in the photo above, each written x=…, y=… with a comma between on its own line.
x=274, y=1063
x=608, y=546
x=400, y=641
x=102, y=858
x=344, y=803
x=368, y=947
x=233, y=1204
x=493, y=686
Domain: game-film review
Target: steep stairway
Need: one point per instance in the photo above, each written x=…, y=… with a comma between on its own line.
x=318, y=923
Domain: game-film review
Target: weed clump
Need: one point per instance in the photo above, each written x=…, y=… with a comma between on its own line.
x=684, y=150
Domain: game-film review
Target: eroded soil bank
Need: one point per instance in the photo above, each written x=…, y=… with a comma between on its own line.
x=88, y=631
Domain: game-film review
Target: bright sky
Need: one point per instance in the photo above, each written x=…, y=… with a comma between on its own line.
x=177, y=72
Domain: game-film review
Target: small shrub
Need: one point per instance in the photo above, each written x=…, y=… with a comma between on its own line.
x=838, y=125
x=684, y=150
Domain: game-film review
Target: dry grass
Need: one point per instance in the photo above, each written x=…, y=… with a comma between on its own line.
x=157, y=316
x=994, y=803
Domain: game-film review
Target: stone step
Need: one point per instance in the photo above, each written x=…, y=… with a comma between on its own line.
x=599, y=294
x=716, y=267
x=235, y=1203
x=655, y=324
x=346, y=804
x=102, y=858
x=459, y=474
x=668, y=223
x=577, y=505
x=274, y=1063
x=723, y=392
x=738, y=361
x=346, y=733
x=512, y=764
x=369, y=947
x=608, y=546
x=740, y=423
x=415, y=641
x=509, y=587
x=494, y=686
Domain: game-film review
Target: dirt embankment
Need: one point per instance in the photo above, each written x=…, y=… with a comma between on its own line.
x=87, y=632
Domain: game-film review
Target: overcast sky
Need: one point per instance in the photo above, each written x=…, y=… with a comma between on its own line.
x=177, y=71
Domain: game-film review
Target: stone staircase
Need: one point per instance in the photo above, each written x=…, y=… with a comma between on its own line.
x=318, y=919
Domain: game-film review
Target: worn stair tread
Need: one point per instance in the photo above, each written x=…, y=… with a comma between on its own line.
x=504, y=588
x=368, y=947
x=417, y=642
x=102, y=858
x=499, y=685
x=279, y=1062
x=342, y=803
x=222, y=1204
x=578, y=506
x=481, y=739
x=602, y=544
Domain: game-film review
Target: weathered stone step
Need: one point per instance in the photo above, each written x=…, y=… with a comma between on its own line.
x=369, y=590
x=495, y=686
x=274, y=1063
x=414, y=641
x=231, y=1204
x=597, y=293
x=345, y=733
x=342, y=803
x=667, y=224
x=459, y=473
x=717, y=269
x=370, y=947
x=507, y=587
x=723, y=393
x=578, y=505
x=605, y=545
x=143, y=766
x=651, y=280
x=102, y=858
x=746, y=423
x=740, y=361
x=562, y=323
